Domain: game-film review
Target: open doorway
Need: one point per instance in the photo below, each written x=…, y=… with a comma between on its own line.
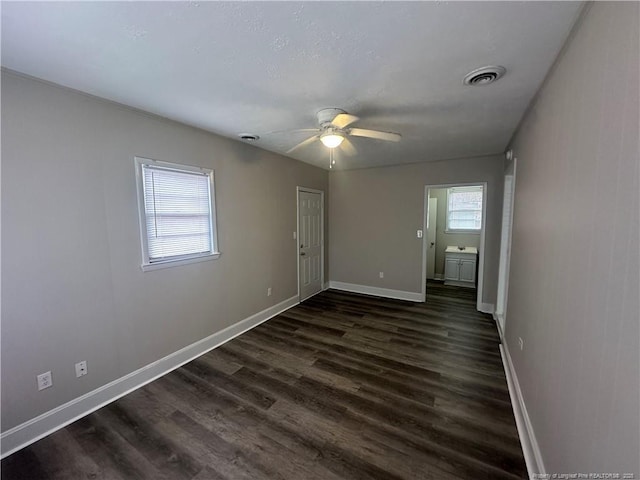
x=453, y=244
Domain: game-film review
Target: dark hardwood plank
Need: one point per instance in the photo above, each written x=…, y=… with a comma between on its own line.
x=340, y=387
x=24, y=465
x=104, y=446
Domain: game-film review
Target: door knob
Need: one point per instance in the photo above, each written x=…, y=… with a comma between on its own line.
x=302, y=254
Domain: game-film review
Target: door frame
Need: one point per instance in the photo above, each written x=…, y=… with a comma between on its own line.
x=480, y=305
x=297, y=239
x=504, y=261
x=427, y=231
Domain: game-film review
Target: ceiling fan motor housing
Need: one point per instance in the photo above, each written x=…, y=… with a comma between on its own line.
x=326, y=115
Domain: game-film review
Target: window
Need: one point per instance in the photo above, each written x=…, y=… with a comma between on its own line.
x=177, y=213
x=464, y=209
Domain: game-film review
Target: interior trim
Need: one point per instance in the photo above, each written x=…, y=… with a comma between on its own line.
x=530, y=447
x=377, y=291
x=486, y=308
x=497, y=317
x=39, y=427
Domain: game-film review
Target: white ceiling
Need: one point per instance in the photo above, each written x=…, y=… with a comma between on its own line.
x=231, y=67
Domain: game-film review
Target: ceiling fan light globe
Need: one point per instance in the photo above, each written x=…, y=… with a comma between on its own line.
x=331, y=140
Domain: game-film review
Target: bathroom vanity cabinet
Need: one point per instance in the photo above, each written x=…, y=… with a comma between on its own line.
x=460, y=266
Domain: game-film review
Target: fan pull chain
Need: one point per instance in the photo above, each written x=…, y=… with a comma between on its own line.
x=332, y=160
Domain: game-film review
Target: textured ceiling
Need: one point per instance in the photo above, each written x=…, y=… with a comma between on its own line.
x=231, y=67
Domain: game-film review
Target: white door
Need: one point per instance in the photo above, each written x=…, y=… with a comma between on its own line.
x=431, y=238
x=310, y=239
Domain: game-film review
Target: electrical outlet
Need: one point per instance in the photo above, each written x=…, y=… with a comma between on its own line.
x=381, y=274
x=295, y=235
x=81, y=369
x=45, y=380
x=521, y=343
x=419, y=233
x=269, y=292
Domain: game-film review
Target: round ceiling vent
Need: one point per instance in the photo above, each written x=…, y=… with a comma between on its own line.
x=248, y=137
x=484, y=75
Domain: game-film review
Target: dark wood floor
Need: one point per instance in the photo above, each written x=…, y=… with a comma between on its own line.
x=343, y=386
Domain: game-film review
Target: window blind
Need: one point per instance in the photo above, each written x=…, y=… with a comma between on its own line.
x=464, y=208
x=178, y=212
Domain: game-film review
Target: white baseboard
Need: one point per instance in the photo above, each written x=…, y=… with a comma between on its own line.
x=497, y=317
x=438, y=276
x=530, y=447
x=377, y=291
x=486, y=308
x=32, y=430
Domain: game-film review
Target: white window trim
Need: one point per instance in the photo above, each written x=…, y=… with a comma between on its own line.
x=467, y=231
x=147, y=265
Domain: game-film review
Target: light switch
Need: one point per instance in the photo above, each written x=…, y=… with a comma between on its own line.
x=419, y=233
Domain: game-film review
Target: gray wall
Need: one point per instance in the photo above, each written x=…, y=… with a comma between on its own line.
x=374, y=214
x=574, y=288
x=72, y=288
x=444, y=239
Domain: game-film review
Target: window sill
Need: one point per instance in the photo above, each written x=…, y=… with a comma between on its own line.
x=468, y=232
x=148, y=267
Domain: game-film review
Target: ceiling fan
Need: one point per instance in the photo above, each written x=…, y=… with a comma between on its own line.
x=334, y=130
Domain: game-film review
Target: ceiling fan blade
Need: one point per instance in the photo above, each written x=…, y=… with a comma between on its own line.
x=388, y=136
x=348, y=147
x=303, y=143
x=343, y=120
